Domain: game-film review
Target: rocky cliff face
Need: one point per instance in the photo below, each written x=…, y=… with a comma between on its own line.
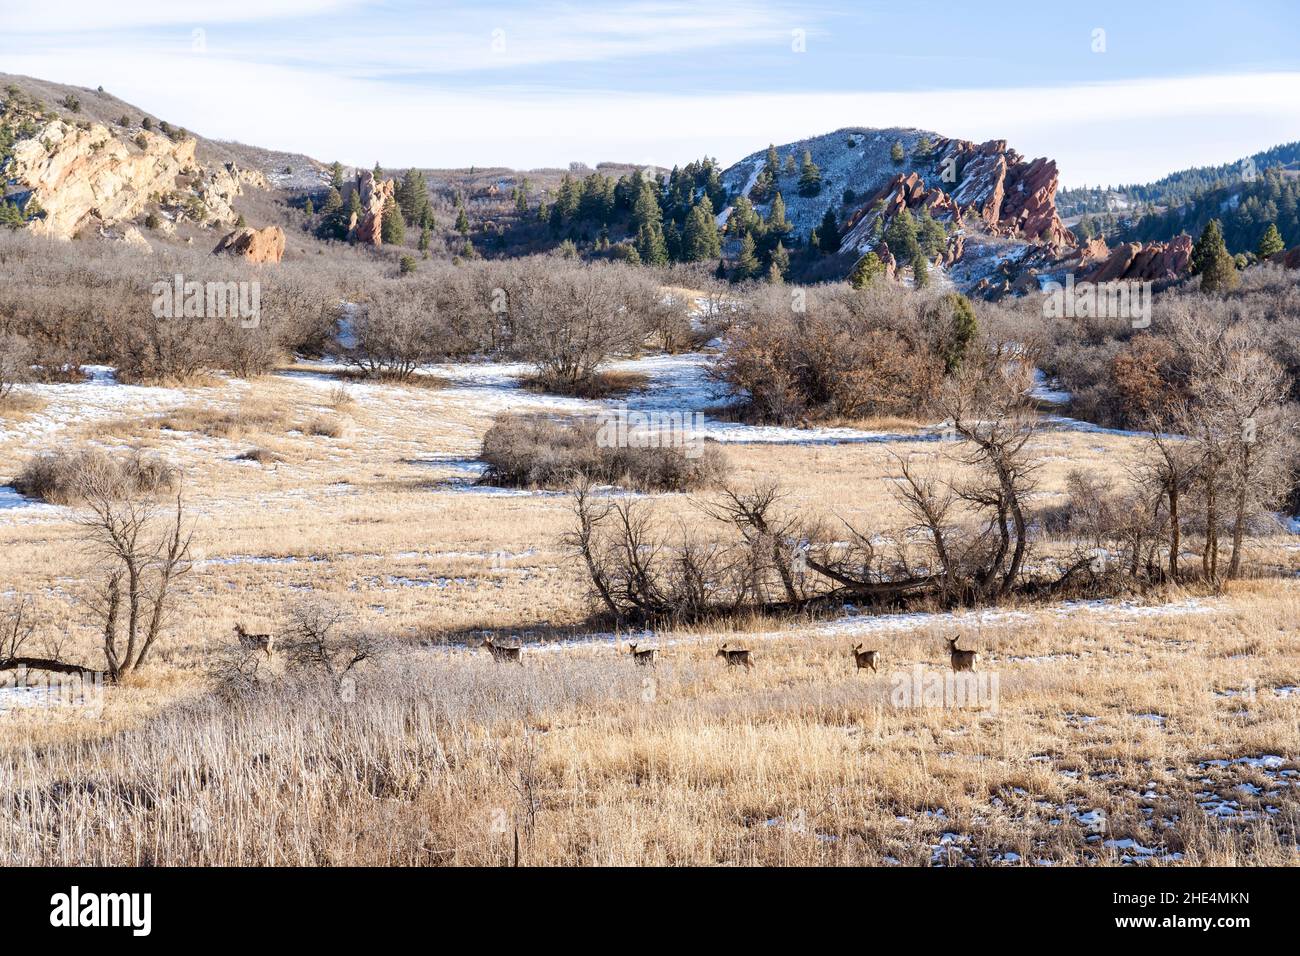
x=88, y=177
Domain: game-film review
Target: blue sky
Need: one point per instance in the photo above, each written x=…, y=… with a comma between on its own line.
x=1160, y=87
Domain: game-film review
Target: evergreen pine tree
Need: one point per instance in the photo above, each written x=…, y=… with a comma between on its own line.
x=1271, y=243
x=1210, y=259
x=901, y=237
x=920, y=272
x=392, y=226
x=930, y=235
x=336, y=175
x=777, y=224
x=828, y=233
x=650, y=245
x=810, y=178
x=1207, y=247
x=896, y=152
x=700, y=240
x=780, y=264
x=309, y=208
x=867, y=271
x=462, y=221
x=646, y=210
x=333, y=222
x=426, y=235
x=962, y=332
x=747, y=265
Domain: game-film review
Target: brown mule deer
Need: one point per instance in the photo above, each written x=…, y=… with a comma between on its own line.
x=646, y=657
x=500, y=653
x=735, y=657
x=962, y=660
x=255, y=642
x=865, y=659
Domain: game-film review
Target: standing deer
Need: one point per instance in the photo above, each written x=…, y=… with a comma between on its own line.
x=735, y=657
x=255, y=642
x=962, y=660
x=643, y=657
x=865, y=659
x=500, y=653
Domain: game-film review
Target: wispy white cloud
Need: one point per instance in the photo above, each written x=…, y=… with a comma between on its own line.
x=1105, y=132
x=80, y=16
x=416, y=39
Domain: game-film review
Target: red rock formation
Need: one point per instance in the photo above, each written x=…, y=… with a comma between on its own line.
x=887, y=259
x=901, y=192
x=1156, y=262
x=375, y=197
x=255, y=245
x=1011, y=196
x=1093, y=249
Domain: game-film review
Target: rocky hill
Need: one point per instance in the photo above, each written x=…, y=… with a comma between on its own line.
x=997, y=207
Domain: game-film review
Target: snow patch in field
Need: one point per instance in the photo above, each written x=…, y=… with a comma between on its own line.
x=917, y=620
x=15, y=506
x=1047, y=391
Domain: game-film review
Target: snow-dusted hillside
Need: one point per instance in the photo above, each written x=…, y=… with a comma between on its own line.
x=853, y=158
x=998, y=208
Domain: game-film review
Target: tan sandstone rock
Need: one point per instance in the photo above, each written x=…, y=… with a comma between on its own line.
x=255, y=245
x=85, y=177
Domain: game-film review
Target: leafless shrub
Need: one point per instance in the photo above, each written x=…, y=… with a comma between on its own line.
x=325, y=427
x=64, y=476
x=537, y=451
x=836, y=354
x=394, y=333
x=15, y=364
x=322, y=640
x=571, y=321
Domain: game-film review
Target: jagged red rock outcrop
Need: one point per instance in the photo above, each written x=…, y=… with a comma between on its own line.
x=1132, y=261
x=256, y=245
x=375, y=197
x=1011, y=196
x=903, y=191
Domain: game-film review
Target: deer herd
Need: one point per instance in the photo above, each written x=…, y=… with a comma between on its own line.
x=961, y=660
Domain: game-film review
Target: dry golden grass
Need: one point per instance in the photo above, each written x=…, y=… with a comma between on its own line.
x=443, y=753
x=20, y=405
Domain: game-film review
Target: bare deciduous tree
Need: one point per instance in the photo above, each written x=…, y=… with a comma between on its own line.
x=143, y=552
